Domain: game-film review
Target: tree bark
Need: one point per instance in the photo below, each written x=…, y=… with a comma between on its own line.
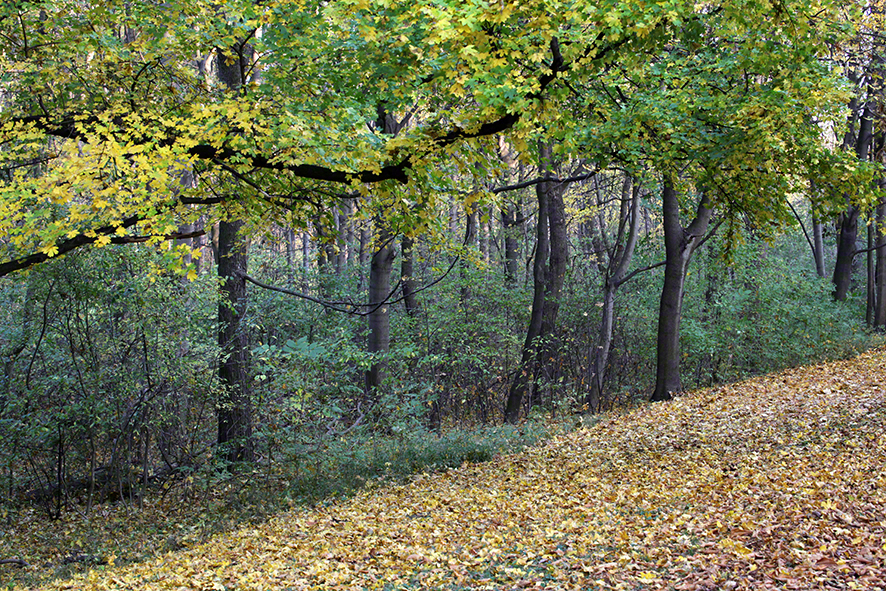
x=380, y=276
x=235, y=405
x=880, y=308
x=629, y=225
x=407, y=275
x=508, y=224
x=379, y=317
x=818, y=246
x=680, y=243
x=849, y=220
x=549, y=268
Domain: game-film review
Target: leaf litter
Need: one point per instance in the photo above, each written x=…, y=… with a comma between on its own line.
x=777, y=482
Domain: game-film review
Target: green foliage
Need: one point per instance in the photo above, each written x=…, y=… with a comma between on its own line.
x=762, y=315
x=755, y=314
x=342, y=466
x=99, y=364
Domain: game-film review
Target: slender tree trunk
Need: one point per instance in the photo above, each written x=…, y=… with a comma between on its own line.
x=349, y=232
x=470, y=243
x=629, y=226
x=379, y=317
x=818, y=245
x=680, y=243
x=548, y=274
x=520, y=385
x=871, y=269
x=508, y=223
x=880, y=242
x=407, y=275
x=509, y=214
x=484, y=233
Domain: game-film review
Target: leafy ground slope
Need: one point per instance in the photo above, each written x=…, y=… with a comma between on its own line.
x=773, y=483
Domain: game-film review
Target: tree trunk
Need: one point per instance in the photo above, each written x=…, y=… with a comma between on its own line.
x=548, y=273
x=871, y=269
x=520, y=385
x=849, y=220
x=407, y=275
x=680, y=243
x=235, y=405
x=380, y=275
x=880, y=308
x=508, y=213
x=818, y=246
x=555, y=274
x=470, y=243
x=508, y=224
x=615, y=275
x=379, y=316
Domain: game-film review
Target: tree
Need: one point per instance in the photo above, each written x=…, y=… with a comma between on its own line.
x=680, y=244
x=548, y=273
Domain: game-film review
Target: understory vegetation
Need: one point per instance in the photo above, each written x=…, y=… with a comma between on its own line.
x=108, y=414
x=772, y=483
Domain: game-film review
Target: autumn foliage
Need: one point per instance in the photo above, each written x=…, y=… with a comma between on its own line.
x=772, y=483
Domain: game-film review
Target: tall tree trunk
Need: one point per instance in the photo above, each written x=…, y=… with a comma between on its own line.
x=871, y=269
x=470, y=243
x=509, y=214
x=680, y=243
x=555, y=275
x=548, y=273
x=520, y=385
x=880, y=309
x=235, y=405
x=849, y=220
x=628, y=232
x=379, y=317
x=380, y=275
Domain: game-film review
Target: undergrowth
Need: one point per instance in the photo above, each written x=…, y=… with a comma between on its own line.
x=186, y=511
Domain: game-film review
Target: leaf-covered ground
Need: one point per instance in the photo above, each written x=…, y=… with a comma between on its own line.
x=773, y=483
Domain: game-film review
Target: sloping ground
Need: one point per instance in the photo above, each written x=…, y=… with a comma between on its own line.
x=774, y=483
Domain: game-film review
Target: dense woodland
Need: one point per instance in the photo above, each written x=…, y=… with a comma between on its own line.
x=271, y=234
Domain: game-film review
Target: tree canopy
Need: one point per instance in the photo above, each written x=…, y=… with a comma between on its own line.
x=112, y=128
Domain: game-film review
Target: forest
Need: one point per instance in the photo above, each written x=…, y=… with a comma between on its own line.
x=258, y=254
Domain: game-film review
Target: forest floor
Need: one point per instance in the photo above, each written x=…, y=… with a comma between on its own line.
x=778, y=482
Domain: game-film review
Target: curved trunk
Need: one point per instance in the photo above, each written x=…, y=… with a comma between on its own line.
x=520, y=385
x=615, y=275
x=849, y=220
x=680, y=243
x=548, y=272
